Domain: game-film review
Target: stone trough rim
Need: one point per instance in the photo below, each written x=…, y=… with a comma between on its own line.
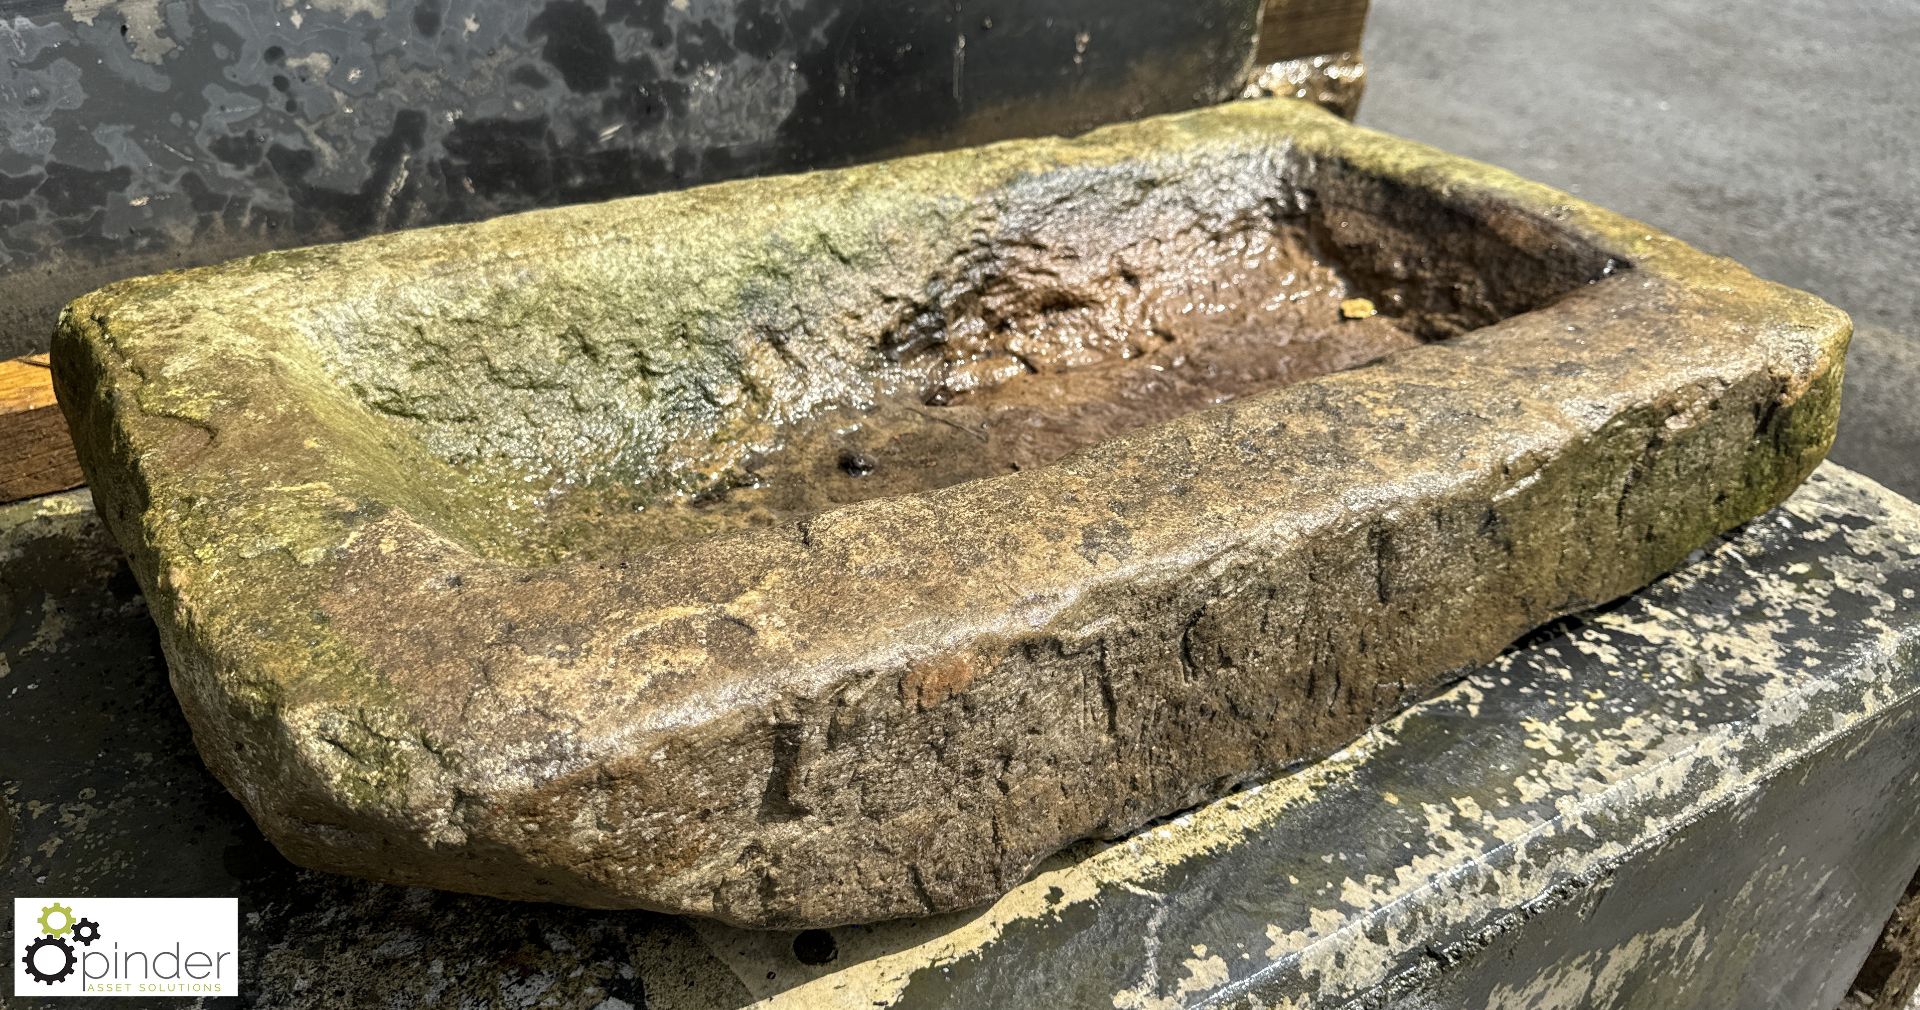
x=272, y=687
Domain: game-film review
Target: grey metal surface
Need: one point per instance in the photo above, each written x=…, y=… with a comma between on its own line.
x=1783, y=135
x=1702, y=796
x=1757, y=904
x=140, y=135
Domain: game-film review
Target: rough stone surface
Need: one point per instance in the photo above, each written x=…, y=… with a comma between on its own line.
x=102, y=794
x=1699, y=798
x=396, y=505
x=1661, y=803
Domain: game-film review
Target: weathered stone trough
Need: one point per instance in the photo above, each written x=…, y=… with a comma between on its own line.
x=830, y=548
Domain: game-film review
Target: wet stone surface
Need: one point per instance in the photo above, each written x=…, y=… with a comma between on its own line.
x=1044, y=371
x=1634, y=807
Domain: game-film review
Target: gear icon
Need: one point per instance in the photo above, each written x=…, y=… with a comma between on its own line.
x=86, y=931
x=66, y=919
x=66, y=950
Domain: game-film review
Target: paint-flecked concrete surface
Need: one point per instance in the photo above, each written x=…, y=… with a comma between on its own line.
x=1783, y=135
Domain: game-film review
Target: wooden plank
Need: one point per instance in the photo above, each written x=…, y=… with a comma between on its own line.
x=36, y=456
x=1292, y=29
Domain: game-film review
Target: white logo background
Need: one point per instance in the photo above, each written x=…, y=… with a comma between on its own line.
x=146, y=947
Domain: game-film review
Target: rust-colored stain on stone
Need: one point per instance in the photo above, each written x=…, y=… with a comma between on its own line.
x=932, y=682
x=831, y=548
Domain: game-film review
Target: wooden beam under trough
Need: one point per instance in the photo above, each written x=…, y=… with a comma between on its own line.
x=36, y=455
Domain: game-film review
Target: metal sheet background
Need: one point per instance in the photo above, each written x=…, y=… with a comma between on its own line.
x=140, y=135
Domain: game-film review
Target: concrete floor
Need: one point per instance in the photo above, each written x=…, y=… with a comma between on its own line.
x=1784, y=135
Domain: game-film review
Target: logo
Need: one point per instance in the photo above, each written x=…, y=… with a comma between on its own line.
x=126, y=946
x=56, y=921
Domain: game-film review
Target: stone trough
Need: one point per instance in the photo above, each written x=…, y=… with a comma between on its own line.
x=832, y=548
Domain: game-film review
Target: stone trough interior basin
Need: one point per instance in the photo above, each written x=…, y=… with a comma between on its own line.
x=833, y=547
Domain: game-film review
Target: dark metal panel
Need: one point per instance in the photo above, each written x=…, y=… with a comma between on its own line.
x=138, y=135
